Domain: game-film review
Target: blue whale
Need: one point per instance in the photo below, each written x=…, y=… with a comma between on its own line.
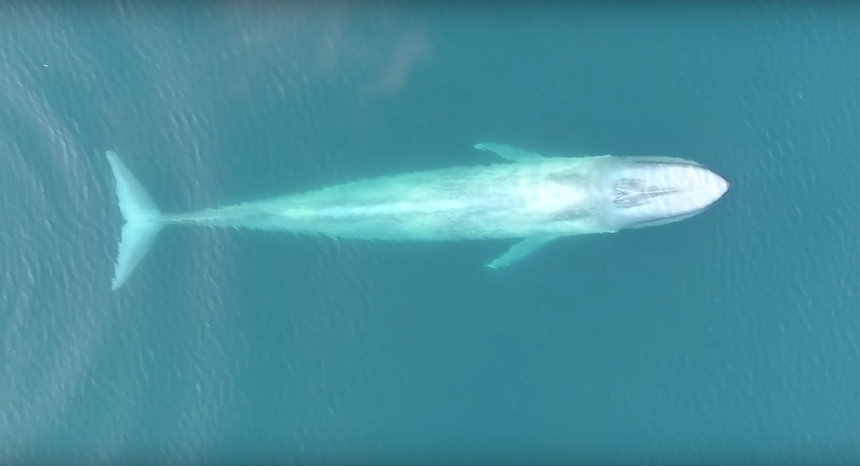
x=526, y=196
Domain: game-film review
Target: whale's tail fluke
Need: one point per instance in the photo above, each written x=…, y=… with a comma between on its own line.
x=142, y=220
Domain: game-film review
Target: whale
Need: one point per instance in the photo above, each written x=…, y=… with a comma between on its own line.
x=522, y=195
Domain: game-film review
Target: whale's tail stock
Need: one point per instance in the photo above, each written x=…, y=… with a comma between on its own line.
x=142, y=220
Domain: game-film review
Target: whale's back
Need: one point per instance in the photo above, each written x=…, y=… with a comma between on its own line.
x=495, y=201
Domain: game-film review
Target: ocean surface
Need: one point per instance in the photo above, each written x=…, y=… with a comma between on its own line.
x=732, y=337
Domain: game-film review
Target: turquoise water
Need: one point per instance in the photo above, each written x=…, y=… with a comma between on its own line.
x=730, y=336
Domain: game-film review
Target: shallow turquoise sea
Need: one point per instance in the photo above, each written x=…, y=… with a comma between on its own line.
x=732, y=336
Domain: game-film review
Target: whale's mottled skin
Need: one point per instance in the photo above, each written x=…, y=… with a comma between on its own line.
x=527, y=196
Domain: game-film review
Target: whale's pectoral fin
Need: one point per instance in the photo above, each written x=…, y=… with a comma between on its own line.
x=508, y=152
x=520, y=251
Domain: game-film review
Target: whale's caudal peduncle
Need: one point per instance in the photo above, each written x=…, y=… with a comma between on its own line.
x=526, y=196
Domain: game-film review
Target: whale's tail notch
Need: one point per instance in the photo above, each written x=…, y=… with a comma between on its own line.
x=142, y=218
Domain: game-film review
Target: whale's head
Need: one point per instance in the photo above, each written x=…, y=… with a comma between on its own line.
x=649, y=191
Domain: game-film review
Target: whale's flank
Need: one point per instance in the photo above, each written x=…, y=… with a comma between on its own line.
x=142, y=220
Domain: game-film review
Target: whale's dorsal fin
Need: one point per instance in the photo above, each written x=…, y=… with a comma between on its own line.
x=509, y=153
x=520, y=251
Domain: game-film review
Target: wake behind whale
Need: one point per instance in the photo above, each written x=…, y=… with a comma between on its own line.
x=529, y=197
